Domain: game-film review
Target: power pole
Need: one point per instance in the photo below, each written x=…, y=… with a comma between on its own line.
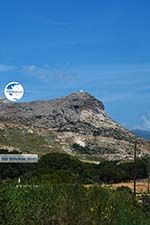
x=148, y=181
x=135, y=168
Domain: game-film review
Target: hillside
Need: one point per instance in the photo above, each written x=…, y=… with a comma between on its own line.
x=76, y=124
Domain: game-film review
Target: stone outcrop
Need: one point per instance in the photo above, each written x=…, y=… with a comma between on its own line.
x=78, y=118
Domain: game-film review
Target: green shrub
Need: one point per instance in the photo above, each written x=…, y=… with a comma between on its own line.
x=126, y=189
x=68, y=205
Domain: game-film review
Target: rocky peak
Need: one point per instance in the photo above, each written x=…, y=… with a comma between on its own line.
x=78, y=118
x=82, y=101
x=78, y=112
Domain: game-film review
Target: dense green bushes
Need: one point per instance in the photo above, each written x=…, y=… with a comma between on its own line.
x=52, y=193
x=107, y=171
x=62, y=168
x=68, y=205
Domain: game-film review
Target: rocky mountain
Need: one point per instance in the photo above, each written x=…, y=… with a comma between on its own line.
x=76, y=124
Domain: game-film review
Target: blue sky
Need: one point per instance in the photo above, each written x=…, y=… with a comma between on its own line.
x=57, y=47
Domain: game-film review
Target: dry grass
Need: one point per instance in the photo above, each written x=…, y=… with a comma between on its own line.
x=141, y=186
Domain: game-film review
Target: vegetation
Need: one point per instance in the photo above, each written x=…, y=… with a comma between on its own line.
x=90, y=151
x=19, y=139
x=52, y=192
x=62, y=168
x=68, y=205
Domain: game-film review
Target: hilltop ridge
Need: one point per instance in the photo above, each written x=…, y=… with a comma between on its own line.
x=76, y=124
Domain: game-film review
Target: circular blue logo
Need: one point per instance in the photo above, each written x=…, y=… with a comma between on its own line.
x=14, y=91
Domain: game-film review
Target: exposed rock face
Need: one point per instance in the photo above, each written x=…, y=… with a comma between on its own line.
x=78, y=112
x=61, y=113
x=77, y=118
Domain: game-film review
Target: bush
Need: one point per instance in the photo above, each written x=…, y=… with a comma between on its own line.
x=125, y=189
x=60, y=167
x=68, y=205
x=146, y=203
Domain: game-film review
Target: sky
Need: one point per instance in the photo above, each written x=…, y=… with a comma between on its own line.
x=54, y=48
